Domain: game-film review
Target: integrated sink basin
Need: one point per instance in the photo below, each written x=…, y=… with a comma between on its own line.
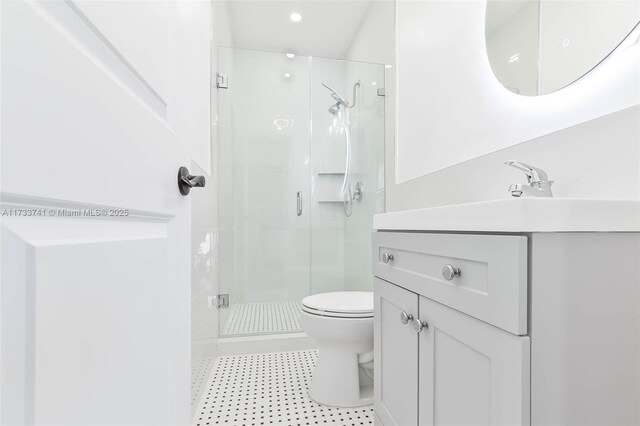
x=519, y=215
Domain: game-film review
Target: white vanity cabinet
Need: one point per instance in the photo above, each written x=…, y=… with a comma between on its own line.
x=470, y=372
x=453, y=368
x=396, y=355
x=530, y=328
x=457, y=371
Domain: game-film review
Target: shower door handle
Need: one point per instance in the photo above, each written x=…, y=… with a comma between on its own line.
x=299, y=203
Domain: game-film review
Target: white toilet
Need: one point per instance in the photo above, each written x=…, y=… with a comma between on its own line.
x=341, y=323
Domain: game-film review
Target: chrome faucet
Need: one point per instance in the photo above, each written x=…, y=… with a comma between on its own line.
x=538, y=185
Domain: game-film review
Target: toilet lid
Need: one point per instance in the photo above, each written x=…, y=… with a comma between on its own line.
x=349, y=304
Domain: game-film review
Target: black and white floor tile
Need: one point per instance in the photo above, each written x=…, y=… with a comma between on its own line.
x=269, y=389
x=201, y=370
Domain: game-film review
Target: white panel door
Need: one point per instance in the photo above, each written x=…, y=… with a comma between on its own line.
x=471, y=373
x=101, y=103
x=395, y=355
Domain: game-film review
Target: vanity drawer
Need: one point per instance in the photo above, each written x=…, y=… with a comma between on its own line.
x=492, y=285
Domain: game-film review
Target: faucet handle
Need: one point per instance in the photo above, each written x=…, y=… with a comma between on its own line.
x=534, y=174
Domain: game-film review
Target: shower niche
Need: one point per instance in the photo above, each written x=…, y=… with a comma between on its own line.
x=300, y=157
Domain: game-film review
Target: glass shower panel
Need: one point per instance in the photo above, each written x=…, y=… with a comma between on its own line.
x=367, y=168
x=264, y=191
x=327, y=172
x=341, y=226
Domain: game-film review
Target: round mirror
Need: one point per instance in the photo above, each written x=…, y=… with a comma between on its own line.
x=539, y=46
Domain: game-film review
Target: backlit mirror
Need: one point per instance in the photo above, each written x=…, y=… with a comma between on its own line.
x=539, y=46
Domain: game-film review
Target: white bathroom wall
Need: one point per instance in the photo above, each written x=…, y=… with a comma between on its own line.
x=586, y=135
x=474, y=113
x=375, y=39
x=599, y=159
x=204, y=230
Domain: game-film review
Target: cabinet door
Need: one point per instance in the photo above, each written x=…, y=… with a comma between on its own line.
x=395, y=356
x=471, y=373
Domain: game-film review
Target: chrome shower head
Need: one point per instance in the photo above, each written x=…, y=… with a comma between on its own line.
x=334, y=109
x=337, y=95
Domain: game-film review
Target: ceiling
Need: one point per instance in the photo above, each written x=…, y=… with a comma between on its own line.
x=326, y=29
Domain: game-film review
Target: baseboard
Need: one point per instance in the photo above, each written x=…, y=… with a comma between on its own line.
x=262, y=344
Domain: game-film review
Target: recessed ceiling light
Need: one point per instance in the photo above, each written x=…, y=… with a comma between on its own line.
x=295, y=17
x=291, y=55
x=287, y=75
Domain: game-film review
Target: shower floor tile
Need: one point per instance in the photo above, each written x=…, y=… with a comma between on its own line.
x=269, y=388
x=245, y=319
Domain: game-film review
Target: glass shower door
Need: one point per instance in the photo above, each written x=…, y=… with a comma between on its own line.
x=264, y=191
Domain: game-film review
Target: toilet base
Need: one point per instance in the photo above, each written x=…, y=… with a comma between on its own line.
x=336, y=381
x=342, y=376
x=363, y=402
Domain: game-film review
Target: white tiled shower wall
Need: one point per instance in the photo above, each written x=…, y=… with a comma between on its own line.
x=340, y=245
x=367, y=168
x=327, y=156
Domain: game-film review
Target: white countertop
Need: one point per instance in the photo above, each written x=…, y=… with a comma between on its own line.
x=519, y=215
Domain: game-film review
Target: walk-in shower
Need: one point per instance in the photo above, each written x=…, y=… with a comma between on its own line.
x=286, y=170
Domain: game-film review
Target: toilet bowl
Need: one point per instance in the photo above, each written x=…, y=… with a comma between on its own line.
x=341, y=323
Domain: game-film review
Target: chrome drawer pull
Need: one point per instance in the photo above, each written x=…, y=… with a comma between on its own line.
x=387, y=257
x=449, y=272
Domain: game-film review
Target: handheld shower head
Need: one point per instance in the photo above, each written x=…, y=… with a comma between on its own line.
x=336, y=96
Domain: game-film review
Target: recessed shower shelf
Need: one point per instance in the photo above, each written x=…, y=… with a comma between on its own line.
x=330, y=173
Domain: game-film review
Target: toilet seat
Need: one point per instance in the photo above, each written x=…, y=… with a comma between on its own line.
x=340, y=304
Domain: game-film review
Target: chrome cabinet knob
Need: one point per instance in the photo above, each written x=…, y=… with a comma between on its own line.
x=387, y=257
x=449, y=272
x=405, y=318
x=419, y=325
